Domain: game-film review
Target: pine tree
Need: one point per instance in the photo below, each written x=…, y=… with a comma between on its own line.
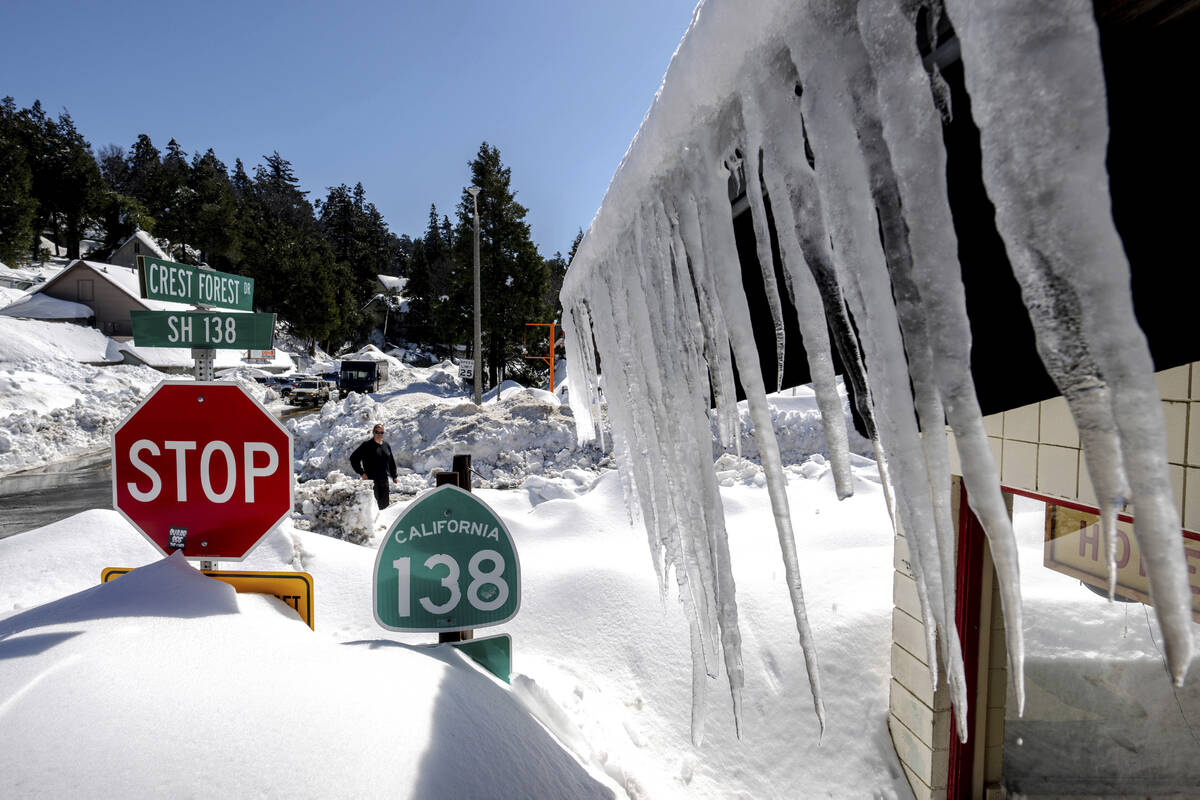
x=212, y=212
x=18, y=208
x=177, y=212
x=66, y=180
x=513, y=276
x=144, y=179
x=359, y=239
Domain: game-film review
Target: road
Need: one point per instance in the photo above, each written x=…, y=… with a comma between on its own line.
x=47, y=494
x=38, y=497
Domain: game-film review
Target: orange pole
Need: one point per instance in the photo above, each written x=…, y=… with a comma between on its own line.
x=549, y=360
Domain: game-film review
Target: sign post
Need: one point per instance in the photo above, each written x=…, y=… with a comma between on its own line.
x=202, y=468
x=203, y=332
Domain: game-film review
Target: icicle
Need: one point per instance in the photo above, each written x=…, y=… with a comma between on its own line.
x=719, y=241
x=912, y=130
x=843, y=179
x=800, y=231
x=751, y=167
x=584, y=397
x=1044, y=168
x=699, y=686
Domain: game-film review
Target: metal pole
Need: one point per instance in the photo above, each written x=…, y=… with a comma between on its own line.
x=478, y=396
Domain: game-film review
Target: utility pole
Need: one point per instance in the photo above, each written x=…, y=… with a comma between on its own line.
x=474, y=190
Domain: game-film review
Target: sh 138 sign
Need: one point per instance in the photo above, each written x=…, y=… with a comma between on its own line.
x=447, y=564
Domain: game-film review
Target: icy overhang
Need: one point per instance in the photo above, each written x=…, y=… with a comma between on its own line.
x=829, y=116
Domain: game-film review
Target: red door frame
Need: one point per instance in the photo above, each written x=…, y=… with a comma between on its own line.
x=967, y=606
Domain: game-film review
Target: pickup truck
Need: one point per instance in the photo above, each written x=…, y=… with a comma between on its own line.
x=309, y=392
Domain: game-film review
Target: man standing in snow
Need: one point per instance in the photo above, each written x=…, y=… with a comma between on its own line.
x=373, y=461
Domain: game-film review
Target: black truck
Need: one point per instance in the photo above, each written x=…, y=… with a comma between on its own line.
x=362, y=376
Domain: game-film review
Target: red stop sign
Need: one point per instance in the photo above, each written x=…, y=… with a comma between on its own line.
x=204, y=468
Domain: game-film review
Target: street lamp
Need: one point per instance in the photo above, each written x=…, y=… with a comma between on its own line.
x=474, y=190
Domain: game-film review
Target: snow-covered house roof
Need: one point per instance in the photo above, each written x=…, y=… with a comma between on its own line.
x=137, y=243
x=391, y=283
x=111, y=292
x=18, y=278
x=37, y=305
x=176, y=358
x=124, y=279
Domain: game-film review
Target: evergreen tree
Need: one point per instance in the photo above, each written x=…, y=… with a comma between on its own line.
x=212, y=212
x=144, y=178
x=66, y=180
x=18, y=207
x=359, y=239
x=574, y=246
x=513, y=276
x=176, y=198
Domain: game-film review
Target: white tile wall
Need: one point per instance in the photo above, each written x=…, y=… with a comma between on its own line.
x=1030, y=444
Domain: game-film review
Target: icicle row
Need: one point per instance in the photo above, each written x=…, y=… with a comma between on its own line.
x=912, y=128
x=1044, y=168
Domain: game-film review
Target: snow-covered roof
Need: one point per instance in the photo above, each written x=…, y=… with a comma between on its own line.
x=393, y=283
x=36, y=305
x=123, y=278
x=15, y=277
x=147, y=240
x=180, y=357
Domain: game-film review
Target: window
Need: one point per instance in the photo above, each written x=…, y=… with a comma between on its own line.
x=85, y=290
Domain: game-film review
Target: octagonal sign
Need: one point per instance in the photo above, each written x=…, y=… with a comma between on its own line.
x=203, y=468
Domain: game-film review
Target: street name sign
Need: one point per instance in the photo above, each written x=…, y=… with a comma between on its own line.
x=202, y=468
x=216, y=330
x=447, y=564
x=183, y=283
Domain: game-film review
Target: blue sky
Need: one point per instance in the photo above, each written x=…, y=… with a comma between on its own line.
x=397, y=95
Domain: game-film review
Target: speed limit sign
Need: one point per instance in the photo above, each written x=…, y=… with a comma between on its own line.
x=447, y=564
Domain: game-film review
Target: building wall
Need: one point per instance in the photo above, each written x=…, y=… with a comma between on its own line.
x=110, y=305
x=1036, y=447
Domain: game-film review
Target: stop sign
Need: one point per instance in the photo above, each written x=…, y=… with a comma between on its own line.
x=202, y=467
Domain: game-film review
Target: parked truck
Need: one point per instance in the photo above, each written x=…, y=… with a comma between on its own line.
x=362, y=376
x=309, y=391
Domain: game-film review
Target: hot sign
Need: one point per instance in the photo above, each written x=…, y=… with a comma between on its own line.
x=447, y=564
x=204, y=468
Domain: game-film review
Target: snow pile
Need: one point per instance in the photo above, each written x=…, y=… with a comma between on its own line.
x=799, y=428
x=340, y=506
x=146, y=650
x=600, y=661
x=507, y=440
x=52, y=406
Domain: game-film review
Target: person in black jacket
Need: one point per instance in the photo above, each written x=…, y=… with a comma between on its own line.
x=373, y=461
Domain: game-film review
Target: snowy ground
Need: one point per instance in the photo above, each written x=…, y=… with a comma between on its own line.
x=164, y=683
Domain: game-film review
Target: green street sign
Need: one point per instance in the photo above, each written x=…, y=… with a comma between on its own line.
x=183, y=283
x=217, y=330
x=447, y=564
x=493, y=653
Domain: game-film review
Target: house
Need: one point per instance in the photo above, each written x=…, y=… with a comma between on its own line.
x=110, y=291
x=817, y=176
x=13, y=278
x=139, y=243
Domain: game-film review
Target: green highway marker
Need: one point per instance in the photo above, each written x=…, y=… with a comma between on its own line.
x=183, y=283
x=493, y=653
x=216, y=330
x=447, y=564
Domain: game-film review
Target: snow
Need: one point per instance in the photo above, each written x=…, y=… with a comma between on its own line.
x=829, y=109
x=42, y=306
x=163, y=682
